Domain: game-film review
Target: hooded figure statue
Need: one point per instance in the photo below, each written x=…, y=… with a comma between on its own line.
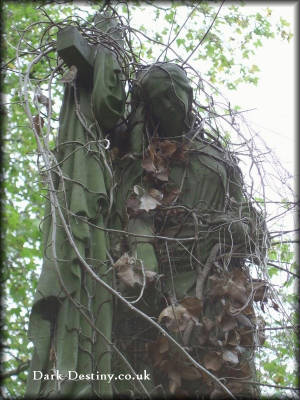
x=184, y=195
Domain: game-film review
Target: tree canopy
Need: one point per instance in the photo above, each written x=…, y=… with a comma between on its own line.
x=216, y=38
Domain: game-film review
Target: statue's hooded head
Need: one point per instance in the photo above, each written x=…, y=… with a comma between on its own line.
x=168, y=96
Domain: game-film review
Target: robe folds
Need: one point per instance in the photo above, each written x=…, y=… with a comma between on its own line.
x=63, y=340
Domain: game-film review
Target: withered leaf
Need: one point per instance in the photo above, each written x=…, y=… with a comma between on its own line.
x=148, y=164
x=156, y=194
x=174, y=380
x=155, y=164
x=41, y=98
x=244, y=321
x=130, y=272
x=216, y=394
x=193, y=305
x=236, y=387
x=38, y=123
x=180, y=153
x=246, y=339
x=167, y=148
x=171, y=196
x=163, y=344
x=175, y=318
x=200, y=334
x=162, y=173
x=212, y=361
x=236, y=291
x=260, y=289
x=234, y=338
x=230, y=356
x=190, y=373
x=228, y=323
x=154, y=354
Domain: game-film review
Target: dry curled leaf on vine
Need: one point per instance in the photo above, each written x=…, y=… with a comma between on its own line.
x=131, y=272
x=158, y=168
x=213, y=361
x=193, y=305
x=158, y=156
x=227, y=287
x=170, y=195
x=260, y=289
x=233, y=338
x=175, y=318
x=143, y=201
x=44, y=100
x=180, y=317
x=228, y=323
x=38, y=123
x=171, y=363
x=170, y=150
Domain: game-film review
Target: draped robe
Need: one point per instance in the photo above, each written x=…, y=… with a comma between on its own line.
x=63, y=340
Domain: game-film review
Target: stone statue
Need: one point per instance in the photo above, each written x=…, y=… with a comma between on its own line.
x=63, y=340
x=177, y=184
x=191, y=229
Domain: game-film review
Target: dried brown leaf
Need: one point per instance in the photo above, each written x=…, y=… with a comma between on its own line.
x=156, y=194
x=175, y=318
x=234, y=338
x=236, y=291
x=41, y=98
x=236, y=387
x=171, y=196
x=148, y=164
x=181, y=152
x=244, y=321
x=246, y=338
x=208, y=323
x=38, y=123
x=174, y=380
x=163, y=344
x=275, y=306
x=228, y=323
x=155, y=164
x=216, y=394
x=260, y=289
x=212, y=361
x=167, y=148
x=130, y=271
x=162, y=173
x=190, y=373
x=193, y=305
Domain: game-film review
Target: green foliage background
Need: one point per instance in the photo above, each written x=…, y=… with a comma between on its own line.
x=226, y=54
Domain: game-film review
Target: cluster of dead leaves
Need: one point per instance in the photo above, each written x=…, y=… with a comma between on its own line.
x=180, y=319
x=158, y=156
x=156, y=165
x=131, y=273
x=171, y=363
x=224, y=338
x=238, y=288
